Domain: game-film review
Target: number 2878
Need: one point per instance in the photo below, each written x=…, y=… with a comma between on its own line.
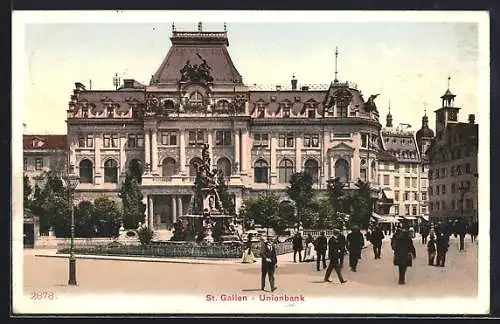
x=40, y=295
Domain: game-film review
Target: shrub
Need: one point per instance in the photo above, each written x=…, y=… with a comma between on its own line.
x=145, y=235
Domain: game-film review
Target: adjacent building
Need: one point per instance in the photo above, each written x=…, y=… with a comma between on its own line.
x=42, y=153
x=258, y=136
x=453, y=165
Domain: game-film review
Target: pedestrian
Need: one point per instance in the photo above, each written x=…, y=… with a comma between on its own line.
x=248, y=256
x=376, y=238
x=269, y=264
x=298, y=246
x=473, y=231
x=431, y=250
x=310, y=251
x=404, y=253
x=461, y=230
x=343, y=244
x=320, y=245
x=335, y=251
x=424, y=232
x=355, y=243
x=442, y=245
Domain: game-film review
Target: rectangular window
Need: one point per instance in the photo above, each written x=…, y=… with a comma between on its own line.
x=396, y=195
x=407, y=209
x=443, y=205
x=38, y=164
x=85, y=140
x=396, y=210
x=407, y=168
x=452, y=171
x=311, y=140
x=459, y=170
x=396, y=182
x=443, y=189
x=135, y=140
x=286, y=112
x=453, y=187
x=406, y=196
x=414, y=182
x=110, y=140
x=437, y=173
x=169, y=138
x=196, y=137
x=261, y=140
x=430, y=175
x=223, y=138
x=414, y=209
x=341, y=135
x=415, y=195
x=286, y=140
x=364, y=140
x=424, y=195
x=386, y=179
x=437, y=205
x=25, y=164
x=414, y=168
x=431, y=205
x=453, y=204
x=437, y=190
x=443, y=172
x=430, y=191
x=467, y=168
x=261, y=112
x=311, y=113
x=424, y=210
x=407, y=182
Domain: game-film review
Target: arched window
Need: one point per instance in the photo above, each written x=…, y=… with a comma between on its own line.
x=135, y=169
x=260, y=171
x=193, y=166
x=311, y=168
x=342, y=170
x=373, y=171
x=196, y=99
x=224, y=165
x=222, y=105
x=285, y=171
x=168, y=167
x=86, y=171
x=110, y=171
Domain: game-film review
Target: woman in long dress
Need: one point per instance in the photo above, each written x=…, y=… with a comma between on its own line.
x=248, y=256
x=310, y=251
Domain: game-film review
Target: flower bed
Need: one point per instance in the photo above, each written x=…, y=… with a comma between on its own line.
x=175, y=250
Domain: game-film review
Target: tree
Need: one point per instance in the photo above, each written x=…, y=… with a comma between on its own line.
x=263, y=210
x=84, y=219
x=301, y=192
x=133, y=207
x=27, y=191
x=107, y=217
x=225, y=198
x=360, y=202
x=336, y=193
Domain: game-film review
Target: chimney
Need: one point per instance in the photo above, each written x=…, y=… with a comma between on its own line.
x=472, y=119
x=294, y=83
x=128, y=83
x=278, y=87
x=304, y=88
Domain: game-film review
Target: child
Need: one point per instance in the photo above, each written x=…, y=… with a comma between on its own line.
x=431, y=249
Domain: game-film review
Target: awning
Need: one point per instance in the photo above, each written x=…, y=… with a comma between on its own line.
x=385, y=219
x=410, y=217
x=376, y=216
x=389, y=194
x=426, y=218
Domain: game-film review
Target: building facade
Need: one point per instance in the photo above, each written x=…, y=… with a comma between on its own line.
x=453, y=165
x=258, y=137
x=43, y=153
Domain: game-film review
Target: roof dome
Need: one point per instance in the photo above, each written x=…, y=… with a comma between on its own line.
x=424, y=131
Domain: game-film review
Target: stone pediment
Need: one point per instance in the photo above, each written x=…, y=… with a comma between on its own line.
x=342, y=147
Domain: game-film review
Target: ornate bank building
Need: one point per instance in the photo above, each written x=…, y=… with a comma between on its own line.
x=258, y=137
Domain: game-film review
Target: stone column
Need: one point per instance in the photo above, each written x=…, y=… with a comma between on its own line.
x=332, y=168
x=97, y=159
x=174, y=210
x=210, y=145
x=145, y=201
x=237, y=149
x=246, y=149
x=72, y=153
x=147, y=148
x=150, y=211
x=182, y=152
x=324, y=150
x=154, y=152
x=123, y=156
x=179, y=206
x=274, y=159
x=298, y=154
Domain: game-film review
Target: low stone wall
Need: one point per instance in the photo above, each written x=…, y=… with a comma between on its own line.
x=52, y=242
x=281, y=248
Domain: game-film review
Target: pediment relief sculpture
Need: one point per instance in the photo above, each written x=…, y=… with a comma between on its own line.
x=196, y=73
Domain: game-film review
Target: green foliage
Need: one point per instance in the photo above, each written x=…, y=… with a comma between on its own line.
x=301, y=192
x=107, y=215
x=360, y=205
x=145, y=235
x=27, y=191
x=133, y=207
x=85, y=220
x=225, y=198
x=263, y=210
x=336, y=195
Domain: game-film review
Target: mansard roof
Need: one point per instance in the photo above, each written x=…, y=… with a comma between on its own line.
x=190, y=46
x=401, y=145
x=44, y=142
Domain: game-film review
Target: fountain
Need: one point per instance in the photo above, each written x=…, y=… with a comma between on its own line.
x=206, y=203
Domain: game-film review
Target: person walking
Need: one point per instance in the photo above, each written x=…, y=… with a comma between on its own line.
x=431, y=250
x=248, y=256
x=424, y=233
x=355, y=243
x=376, y=238
x=335, y=250
x=442, y=245
x=461, y=230
x=473, y=231
x=298, y=246
x=321, y=246
x=269, y=264
x=404, y=254
x=343, y=244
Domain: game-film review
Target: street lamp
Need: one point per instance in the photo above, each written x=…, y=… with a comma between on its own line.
x=71, y=183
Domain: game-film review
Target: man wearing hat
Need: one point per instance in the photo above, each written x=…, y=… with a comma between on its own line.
x=355, y=243
x=269, y=263
x=321, y=245
x=335, y=250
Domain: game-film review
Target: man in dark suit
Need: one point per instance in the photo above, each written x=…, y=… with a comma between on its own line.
x=320, y=245
x=355, y=243
x=269, y=264
x=335, y=251
x=376, y=239
x=343, y=243
x=298, y=246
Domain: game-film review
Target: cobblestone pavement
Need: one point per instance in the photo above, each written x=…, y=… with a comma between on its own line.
x=374, y=277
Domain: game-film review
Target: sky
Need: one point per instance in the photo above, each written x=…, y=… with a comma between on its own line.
x=407, y=63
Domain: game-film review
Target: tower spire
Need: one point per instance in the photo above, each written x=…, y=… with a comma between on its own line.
x=449, y=78
x=336, y=59
x=389, y=117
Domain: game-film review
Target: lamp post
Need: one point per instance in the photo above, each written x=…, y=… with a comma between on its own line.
x=71, y=183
